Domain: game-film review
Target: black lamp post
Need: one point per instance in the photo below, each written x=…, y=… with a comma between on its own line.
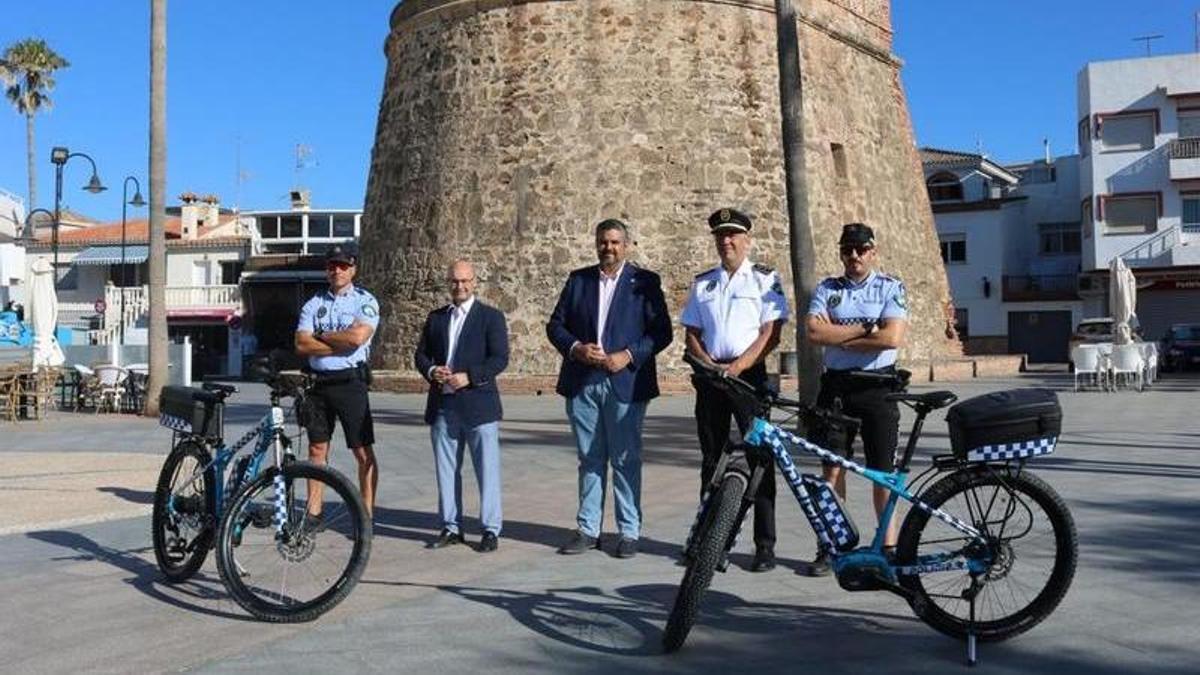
x=59, y=156
x=28, y=237
x=138, y=202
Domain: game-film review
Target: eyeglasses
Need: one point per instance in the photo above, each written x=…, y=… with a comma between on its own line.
x=860, y=249
x=339, y=266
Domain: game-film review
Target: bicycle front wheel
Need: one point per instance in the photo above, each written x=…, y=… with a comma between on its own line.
x=719, y=524
x=1031, y=543
x=280, y=560
x=182, y=523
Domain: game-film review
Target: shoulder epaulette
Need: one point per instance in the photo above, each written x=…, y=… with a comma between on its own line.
x=702, y=273
x=763, y=269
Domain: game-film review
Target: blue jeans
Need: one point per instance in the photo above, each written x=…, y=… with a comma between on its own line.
x=450, y=437
x=608, y=431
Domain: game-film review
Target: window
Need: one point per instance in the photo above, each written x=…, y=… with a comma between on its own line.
x=954, y=249
x=1085, y=136
x=1058, y=239
x=839, y=160
x=1189, y=123
x=1130, y=214
x=231, y=272
x=343, y=225
x=66, y=277
x=128, y=275
x=1125, y=132
x=1039, y=173
x=290, y=226
x=961, y=324
x=1085, y=216
x=268, y=227
x=1191, y=212
x=283, y=248
x=318, y=224
x=944, y=187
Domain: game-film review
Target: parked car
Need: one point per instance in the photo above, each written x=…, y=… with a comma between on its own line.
x=1092, y=331
x=1181, y=347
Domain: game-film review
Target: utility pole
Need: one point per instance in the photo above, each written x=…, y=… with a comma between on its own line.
x=158, y=206
x=800, y=241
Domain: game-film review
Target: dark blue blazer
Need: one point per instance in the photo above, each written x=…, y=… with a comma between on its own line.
x=482, y=353
x=637, y=321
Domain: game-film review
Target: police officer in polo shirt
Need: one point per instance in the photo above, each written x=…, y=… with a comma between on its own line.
x=860, y=318
x=334, y=332
x=733, y=317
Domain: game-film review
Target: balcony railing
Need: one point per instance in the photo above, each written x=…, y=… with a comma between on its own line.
x=1185, y=148
x=1038, y=287
x=1185, y=159
x=181, y=297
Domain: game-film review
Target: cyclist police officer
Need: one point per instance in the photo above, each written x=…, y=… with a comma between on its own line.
x=733, y=316
x=860, y=318
x=334, y=332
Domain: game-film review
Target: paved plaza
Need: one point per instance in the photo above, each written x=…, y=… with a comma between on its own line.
x=81, y=592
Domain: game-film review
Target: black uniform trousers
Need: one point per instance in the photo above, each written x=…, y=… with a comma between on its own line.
x=865, y=400
x=714, y=411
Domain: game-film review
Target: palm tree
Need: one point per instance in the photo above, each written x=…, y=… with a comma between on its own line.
x=158, y=212
x=27, y=69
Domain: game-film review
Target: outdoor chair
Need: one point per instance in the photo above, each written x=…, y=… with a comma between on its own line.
x=1150, y=358
x=110, y=387
x=85, y=387
x=37, y=392
x=10, y=388
x=1088, y=361
x=1127, y=361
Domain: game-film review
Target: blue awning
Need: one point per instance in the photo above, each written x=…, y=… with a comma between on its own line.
x=111, y=255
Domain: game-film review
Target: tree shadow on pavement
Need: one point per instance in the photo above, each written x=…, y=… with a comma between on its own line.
x=133, y=496
x=1148, y=537
x=194, y=595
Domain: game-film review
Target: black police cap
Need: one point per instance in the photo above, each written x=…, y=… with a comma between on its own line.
x=729, y=219
x=857, y=234
x=342, y=253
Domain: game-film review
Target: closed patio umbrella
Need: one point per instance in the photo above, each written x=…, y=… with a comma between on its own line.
x=43, y=308
x=1122, y=300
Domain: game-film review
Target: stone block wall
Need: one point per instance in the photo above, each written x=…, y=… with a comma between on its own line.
x=508, y=128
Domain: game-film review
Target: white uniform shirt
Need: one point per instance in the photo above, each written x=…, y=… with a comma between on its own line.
x=730, y=309
x=876, y=298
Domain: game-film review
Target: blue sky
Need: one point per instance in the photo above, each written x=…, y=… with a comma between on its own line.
x=267, y=75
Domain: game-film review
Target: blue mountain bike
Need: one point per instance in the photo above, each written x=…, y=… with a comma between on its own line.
x=292, y=538
x=987, y=550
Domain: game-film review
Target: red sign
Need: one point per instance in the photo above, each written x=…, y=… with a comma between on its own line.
x=235, y=322
x=100, y=305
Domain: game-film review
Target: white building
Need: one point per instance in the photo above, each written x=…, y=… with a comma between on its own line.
x=12, y=256
x=1010, y=239
x=1139, y=181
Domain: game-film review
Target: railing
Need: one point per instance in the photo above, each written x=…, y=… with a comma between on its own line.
x=1152, y=249
x=179, y=297
x=137, y=303
x=1185, y=148
x=1035, y=287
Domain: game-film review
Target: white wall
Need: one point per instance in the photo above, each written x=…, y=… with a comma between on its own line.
x=1133, y=84
x=984, y=232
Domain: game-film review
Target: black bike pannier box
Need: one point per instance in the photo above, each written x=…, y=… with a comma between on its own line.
x=1003, y=418
x=191, y=410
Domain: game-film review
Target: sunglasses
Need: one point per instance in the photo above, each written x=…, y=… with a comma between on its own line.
x=341, y=266
x=861, y=249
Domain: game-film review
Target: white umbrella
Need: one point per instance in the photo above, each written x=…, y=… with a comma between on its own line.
x=43, y=311
x=1122, y=299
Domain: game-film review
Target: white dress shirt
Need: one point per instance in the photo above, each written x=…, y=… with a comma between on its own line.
x=608, y=286
x=458, y=316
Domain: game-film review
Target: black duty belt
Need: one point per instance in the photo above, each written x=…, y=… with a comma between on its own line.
x=351, y=374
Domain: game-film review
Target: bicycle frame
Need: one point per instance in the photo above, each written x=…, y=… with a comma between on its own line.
x=268, y=430
x=763, y=434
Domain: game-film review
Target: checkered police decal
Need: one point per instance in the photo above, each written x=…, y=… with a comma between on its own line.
x=840, y=529
x=1020, y=450
x=175, y=423
x=281, y=513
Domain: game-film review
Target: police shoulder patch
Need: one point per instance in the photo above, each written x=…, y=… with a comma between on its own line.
x=369, y=309
x=835, y=300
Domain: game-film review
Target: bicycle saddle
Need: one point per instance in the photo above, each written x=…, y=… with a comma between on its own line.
x=933, y=399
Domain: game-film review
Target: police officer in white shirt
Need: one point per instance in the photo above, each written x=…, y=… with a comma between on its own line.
x=733, y=317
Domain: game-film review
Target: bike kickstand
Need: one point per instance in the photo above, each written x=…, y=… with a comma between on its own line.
x=971, y=593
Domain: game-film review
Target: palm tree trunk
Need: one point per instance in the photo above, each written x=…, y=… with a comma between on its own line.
x=800, y=240
x=158, y=213
x=31, y=153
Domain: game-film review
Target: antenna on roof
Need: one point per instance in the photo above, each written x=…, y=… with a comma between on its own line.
x=1147, y=39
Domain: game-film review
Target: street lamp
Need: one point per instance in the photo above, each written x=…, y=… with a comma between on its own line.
x=138, y=202
x=27, y=236
x=59, y=156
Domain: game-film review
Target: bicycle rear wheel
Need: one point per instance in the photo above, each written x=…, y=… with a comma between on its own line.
x=182, y=522
x=302, y=570
x=1031, y=541
x=711, y=537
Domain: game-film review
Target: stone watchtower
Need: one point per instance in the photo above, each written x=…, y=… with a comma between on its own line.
x=509, y=128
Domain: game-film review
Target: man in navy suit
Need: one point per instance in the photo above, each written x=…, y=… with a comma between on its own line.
x=610, y=322
x=463, y=347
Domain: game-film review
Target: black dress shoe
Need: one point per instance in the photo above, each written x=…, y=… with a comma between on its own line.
x=626, y=547
x=819, y=567
x=446, y=538
x=764, y=560
x=579, y=543
x=489, y=542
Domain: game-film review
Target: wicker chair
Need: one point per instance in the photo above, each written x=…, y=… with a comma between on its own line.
x=10, y=388
x=37, y=392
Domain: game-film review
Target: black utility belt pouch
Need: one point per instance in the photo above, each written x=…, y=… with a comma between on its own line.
x=832, y=516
